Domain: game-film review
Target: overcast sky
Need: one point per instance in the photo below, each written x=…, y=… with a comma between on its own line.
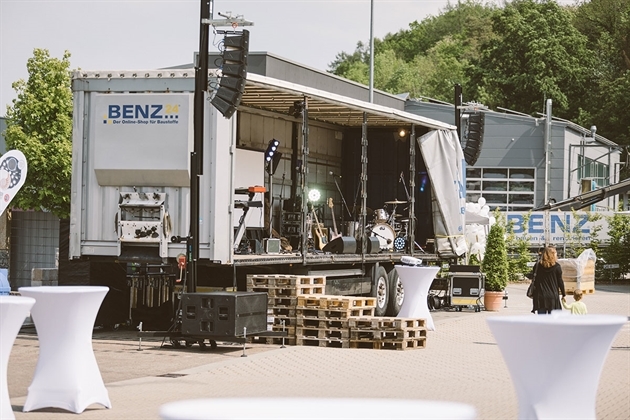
x=148, y=34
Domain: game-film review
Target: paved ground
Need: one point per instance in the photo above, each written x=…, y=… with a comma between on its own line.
x=461, y=362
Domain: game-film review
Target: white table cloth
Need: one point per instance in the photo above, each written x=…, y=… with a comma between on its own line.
x=314, y=408
x=67, y=375
x=13, y=312
x=555, y=361
x=416, y=281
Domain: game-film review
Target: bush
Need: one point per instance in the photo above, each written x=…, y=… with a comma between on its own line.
x=495, y=260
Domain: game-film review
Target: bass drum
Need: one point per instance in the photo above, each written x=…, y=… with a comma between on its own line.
x=385, y=235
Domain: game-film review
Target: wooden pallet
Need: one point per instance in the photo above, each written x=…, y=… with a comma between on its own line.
x=322, y=323
x=335, y=302
x=386, y=323
x=276, y=319
x=586, y=287
x=323, y=342
x=282, y=301
x=408, y=344
x=307, y=333
x=261, y=280
x=387, y=335
x=334, y=313
x=289, y=291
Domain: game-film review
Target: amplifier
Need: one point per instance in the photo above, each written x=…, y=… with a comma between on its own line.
x=224, y=314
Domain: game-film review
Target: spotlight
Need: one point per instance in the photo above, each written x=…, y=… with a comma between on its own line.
x=314, y=195
x=402, y=133
x=272, y=156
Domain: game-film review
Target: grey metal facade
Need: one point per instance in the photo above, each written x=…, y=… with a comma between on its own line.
x=513, y=140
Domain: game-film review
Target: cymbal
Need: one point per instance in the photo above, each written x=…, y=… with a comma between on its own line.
x=395, y=202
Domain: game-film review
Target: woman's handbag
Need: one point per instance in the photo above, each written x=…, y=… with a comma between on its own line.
x=530, y=290
x=532, y=287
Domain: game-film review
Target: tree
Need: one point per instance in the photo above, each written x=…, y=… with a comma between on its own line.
x=535, y=54
x=495, y=260
x=426, y=60
x=39, y=124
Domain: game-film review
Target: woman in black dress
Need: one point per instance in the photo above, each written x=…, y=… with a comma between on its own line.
x=548, y=284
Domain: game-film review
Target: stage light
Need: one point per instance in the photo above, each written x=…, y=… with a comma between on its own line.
x=272, y=156
x=402, y=133
x=314, y=195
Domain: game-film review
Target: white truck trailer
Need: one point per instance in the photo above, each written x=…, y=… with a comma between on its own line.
x=131, y=170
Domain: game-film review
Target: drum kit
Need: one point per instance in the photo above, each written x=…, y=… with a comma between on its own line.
x=391, y=229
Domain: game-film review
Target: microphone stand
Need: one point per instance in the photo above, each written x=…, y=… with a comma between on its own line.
x=402, y=178
x=341, y=194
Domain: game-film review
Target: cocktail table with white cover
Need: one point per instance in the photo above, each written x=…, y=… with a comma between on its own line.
x=314, y=408
x=416, y=282
x=67, y=375
x=13, y=312
x=555, y=361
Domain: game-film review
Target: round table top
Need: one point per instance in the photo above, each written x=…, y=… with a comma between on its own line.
x=16, y=300
x=62, y=289
x=560, y=318
x=314, y=408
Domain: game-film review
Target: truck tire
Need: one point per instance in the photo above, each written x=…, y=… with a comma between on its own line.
x=380, y=290
x=397, y=294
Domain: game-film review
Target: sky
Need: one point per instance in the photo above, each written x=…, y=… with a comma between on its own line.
x=151, y=34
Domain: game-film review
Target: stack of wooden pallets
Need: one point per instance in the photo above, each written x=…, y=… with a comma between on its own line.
x=283, y=291
x=298, y=306
x=324, y=320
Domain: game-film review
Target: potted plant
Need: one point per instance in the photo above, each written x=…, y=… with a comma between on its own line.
x=495, y=266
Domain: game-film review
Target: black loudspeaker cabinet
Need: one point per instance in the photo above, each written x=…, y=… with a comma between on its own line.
x=342, y=245
x=224, y=314
x=373, y=246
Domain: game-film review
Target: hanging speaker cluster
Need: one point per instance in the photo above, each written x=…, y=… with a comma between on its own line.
x=234, y=73
x=474, y=137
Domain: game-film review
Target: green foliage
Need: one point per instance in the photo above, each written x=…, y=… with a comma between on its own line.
x=518, y=251
x=495, y=261
x=574, y=238
x=535, y=54
x=617, y=250
x=39, y=124
x=514, y=56
x=426, y=60
x=474, y=260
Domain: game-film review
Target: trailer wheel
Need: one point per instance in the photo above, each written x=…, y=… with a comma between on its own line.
x=176, y=344
x=380, y=290
x=397, y=296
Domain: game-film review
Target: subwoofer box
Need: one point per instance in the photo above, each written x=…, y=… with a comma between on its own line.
x=342, y=245
x=224, y=314
x=373, y=245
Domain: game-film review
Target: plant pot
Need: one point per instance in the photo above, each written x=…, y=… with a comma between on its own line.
x=492, y=301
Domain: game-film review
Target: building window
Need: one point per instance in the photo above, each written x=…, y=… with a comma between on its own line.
x=508, y=189
x=596, y=171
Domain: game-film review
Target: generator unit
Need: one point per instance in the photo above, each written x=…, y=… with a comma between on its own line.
x=465, y=285
x=223, y=314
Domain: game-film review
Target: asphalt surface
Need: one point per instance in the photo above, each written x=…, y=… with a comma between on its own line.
x=461, y=363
